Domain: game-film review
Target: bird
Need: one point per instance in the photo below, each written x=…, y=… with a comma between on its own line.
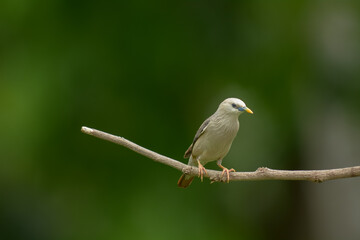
x=213, y=140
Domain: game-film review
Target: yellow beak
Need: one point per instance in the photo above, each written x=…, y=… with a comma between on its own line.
x=248, y=110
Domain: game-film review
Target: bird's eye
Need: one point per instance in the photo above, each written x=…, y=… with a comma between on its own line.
x=234, y=105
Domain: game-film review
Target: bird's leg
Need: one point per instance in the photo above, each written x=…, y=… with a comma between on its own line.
x=225, y=170
x=202, y=170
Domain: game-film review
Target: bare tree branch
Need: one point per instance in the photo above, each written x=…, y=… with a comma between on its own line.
x=261, y=173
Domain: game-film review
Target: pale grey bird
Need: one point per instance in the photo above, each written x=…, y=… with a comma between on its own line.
x=214, y=138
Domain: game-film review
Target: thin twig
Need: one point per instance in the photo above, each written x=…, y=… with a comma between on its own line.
x=262, y=173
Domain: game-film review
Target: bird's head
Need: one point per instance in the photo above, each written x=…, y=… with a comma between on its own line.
x=233, y=105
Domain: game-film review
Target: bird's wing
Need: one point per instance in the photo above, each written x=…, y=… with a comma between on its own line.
x=197, y=135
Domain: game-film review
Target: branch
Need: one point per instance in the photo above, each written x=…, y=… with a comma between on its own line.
x=261, y=173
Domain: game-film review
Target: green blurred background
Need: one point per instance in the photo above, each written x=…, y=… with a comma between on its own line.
x=152, y=71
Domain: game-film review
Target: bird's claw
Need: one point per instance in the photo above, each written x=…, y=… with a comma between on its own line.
x=227, y=171
x=202, y=170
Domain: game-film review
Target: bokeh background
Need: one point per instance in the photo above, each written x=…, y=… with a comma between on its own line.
x=152, y=71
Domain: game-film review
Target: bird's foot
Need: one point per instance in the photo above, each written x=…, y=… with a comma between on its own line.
x=227, y=171
x=202, y=170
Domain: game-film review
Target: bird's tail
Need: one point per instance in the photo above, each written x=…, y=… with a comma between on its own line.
x=185, y=181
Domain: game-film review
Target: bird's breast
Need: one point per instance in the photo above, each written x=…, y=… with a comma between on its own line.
x=215, y=143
